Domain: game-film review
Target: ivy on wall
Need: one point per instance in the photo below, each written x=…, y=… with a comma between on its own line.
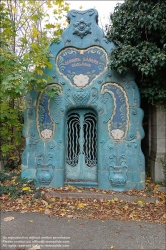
x=138, y=28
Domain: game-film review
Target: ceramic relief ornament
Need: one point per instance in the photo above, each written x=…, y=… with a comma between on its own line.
x=82, y=28
x=118, y=172
x=84, y=107
x=45, y=169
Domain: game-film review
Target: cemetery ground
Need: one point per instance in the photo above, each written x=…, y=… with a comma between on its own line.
x=21, y=195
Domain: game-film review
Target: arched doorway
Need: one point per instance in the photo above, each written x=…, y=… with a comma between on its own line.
x=81, y=147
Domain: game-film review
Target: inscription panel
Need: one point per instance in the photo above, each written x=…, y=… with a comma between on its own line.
x=82, y=67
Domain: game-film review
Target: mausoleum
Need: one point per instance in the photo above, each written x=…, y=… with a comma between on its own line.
x=89, y=134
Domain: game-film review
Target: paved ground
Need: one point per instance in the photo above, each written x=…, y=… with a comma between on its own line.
x=28, y=229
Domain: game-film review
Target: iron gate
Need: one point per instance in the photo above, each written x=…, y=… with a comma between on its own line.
x=81, y=146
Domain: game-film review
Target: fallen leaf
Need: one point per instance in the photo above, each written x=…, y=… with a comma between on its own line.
x=140, y=203
x=111, y=247
x=47, y=211
x=19, y=200
x=45, y=202
x=69, y=216
x=80, y=205
x=35, y=247
x=30, y=220
x=9, y=218
x=26, y=189
x=164, y=216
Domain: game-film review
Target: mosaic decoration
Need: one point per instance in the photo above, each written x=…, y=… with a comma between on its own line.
x=85, y=127
x=119, y=119
x=82, y=67
x=45, y=123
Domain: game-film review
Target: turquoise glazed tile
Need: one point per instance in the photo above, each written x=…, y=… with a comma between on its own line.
x=89, y=134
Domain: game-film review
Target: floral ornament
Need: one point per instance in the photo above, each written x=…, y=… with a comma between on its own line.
x=82, y=28
x=117, y=134
x=81, y=80
x=46, y=133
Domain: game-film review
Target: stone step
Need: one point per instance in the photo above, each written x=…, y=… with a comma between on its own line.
x=92, y=195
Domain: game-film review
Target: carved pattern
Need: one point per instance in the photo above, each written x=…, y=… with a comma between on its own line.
x=52, y=145
x=134, y=111
x=29, y=101
x=100, y=111
x=82, y=28
x=95, y=97
x=81, y=96
x=44, y=175
x=130, y=85
x=75, y=12
x=102, y=142
x=132, y=144
x=118, y=171
x=30, y=112
x=68, y=99
x=33, y=140
x=44, y=169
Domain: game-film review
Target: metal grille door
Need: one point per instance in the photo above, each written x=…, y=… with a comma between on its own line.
x=81, y=146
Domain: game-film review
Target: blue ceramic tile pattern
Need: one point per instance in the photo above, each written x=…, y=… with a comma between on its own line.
x=89, y=134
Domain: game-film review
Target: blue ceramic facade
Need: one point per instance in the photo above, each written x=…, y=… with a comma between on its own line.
x=90, y=133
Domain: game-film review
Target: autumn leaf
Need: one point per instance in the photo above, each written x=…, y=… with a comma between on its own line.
x=47, y=211
x=53, y=199
x=14, y=9
x=80, y=205
x=140, y=203
x=39, y=71
x=26, y=189
x=71, y=187
x=9, y=218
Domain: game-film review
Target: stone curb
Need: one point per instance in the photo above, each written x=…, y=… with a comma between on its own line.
x=90, y=195
x=162, y=188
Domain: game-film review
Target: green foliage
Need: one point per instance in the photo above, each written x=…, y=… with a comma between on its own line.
x=12, y=184
x=26, y=33
x=138, y=30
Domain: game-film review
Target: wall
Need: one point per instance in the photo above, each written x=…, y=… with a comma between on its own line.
x=157, y=142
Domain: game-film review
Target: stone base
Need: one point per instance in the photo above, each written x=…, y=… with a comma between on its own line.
x=156, y=169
